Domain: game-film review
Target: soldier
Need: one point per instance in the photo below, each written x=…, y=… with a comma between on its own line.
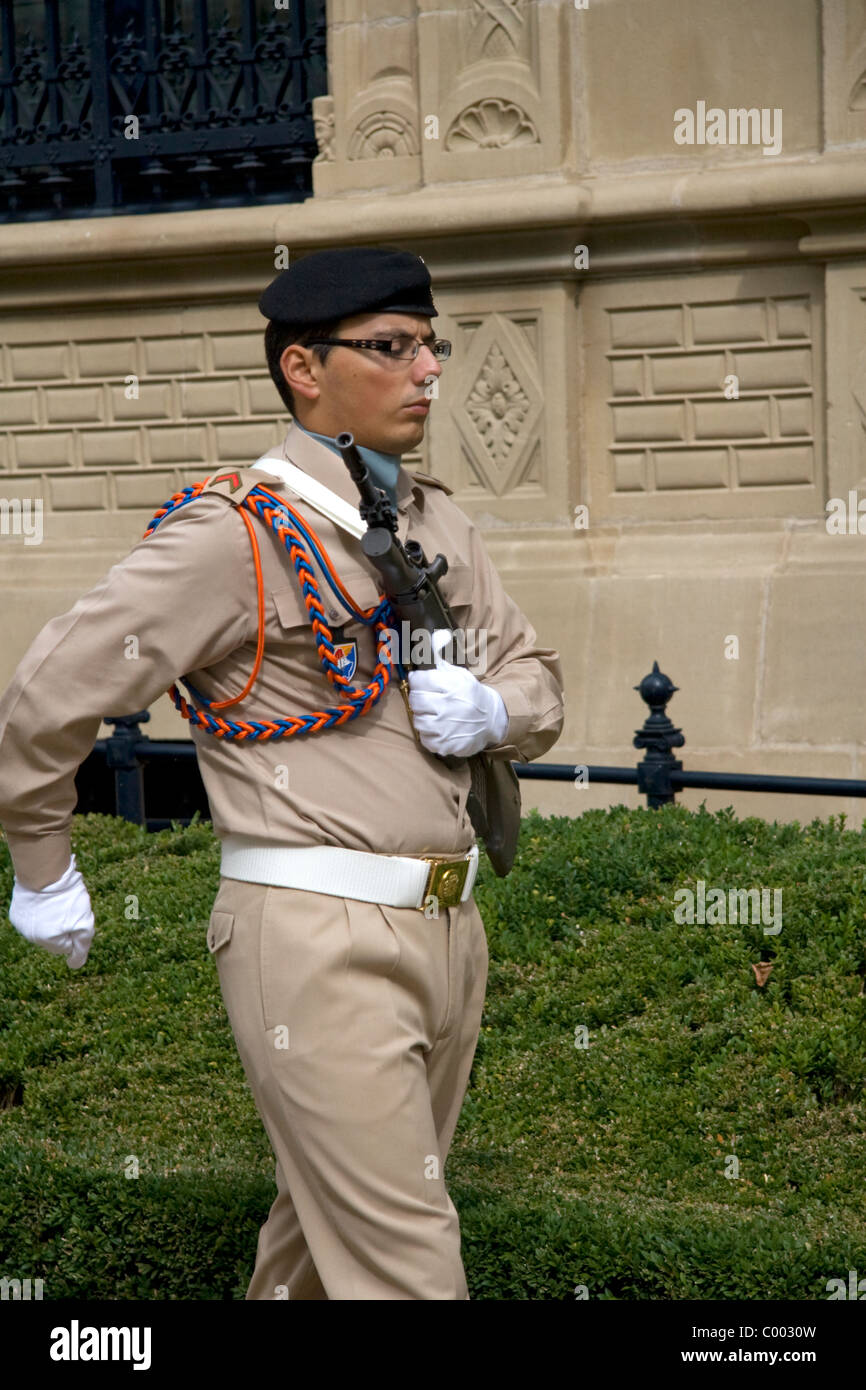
x=355, y=1008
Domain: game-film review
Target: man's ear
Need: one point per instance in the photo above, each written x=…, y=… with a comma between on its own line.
x=296, y=364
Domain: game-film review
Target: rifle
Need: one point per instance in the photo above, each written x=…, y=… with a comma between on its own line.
x=411, y=586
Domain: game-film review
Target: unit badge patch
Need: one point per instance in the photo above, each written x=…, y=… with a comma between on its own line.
x=347, y=658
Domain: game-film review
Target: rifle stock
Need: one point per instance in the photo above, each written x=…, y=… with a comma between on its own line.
x=411, y=585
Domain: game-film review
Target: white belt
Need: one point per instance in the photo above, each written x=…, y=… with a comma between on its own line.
x=395, y=880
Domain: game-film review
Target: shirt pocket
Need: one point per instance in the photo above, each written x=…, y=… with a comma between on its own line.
x=469, y=645
x=456, y=587
x=292, y=611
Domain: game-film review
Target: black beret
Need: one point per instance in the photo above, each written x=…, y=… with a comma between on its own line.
x=327, y=286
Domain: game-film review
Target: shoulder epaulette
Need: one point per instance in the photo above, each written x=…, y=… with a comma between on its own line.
x=431, y=481
x=235, y=483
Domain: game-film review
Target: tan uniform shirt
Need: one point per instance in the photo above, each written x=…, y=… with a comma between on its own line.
x=187, y=595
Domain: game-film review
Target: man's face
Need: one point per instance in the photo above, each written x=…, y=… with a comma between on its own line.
x=381, y=400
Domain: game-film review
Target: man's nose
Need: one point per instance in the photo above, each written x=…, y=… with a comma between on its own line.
x=426, y=364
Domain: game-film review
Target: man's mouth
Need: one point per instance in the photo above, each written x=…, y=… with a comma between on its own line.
x=418, y=406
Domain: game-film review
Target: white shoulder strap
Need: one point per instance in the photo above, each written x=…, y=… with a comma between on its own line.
x=315, y=493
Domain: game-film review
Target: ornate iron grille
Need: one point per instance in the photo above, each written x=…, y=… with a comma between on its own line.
x=110, y=106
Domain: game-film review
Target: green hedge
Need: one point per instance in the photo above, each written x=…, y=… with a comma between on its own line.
x=601, y=1167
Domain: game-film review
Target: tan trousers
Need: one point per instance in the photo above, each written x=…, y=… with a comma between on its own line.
x=356, y=1025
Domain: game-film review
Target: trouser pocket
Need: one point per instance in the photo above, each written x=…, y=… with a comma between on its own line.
x=219, y=931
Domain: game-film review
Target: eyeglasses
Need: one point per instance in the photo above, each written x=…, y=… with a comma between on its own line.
x=405, y=349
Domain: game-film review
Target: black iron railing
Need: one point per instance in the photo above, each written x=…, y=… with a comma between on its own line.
x=658, y=776
x=111, y=106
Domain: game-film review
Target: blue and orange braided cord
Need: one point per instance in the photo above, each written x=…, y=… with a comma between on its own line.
x=296, y=535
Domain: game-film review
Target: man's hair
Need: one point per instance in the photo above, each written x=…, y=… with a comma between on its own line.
x=280, y=335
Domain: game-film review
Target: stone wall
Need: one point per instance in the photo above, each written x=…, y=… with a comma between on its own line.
x=669, y=336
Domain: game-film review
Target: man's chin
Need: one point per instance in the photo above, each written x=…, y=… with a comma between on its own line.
x=397, y=441
x=412, y=430
x=405, y=433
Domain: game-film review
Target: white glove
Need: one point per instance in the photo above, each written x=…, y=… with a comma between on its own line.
x=58, y=917
x=452, y=710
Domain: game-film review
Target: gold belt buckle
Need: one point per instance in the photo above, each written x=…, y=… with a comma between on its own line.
x=446, y=880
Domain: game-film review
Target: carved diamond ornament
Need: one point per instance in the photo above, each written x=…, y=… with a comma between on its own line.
x=498, y=405
x=501, y=405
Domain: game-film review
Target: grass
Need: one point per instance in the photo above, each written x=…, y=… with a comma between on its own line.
x=599, y=1166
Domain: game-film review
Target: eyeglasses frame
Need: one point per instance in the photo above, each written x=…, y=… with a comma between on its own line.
x=380, y=345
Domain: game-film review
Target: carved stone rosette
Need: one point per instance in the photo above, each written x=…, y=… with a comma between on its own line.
x=430, y=94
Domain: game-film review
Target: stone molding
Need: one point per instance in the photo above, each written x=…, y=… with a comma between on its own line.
x=827, y=195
